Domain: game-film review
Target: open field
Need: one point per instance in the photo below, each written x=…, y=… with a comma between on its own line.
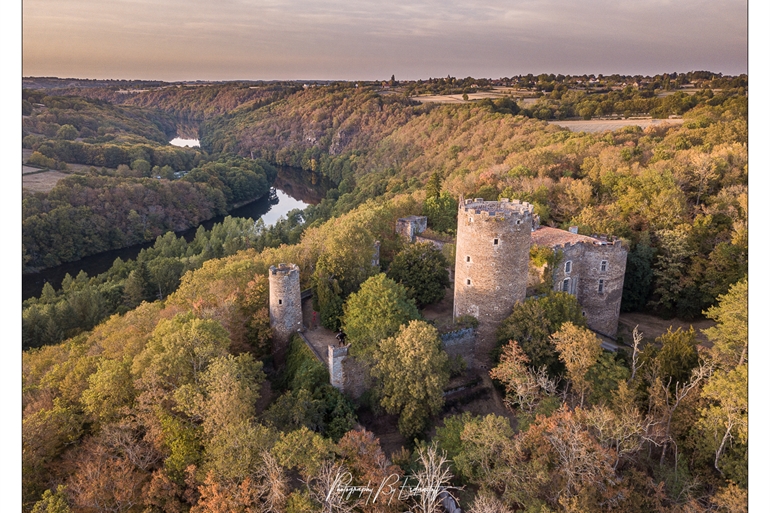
x=495, y=93
x=602, y=125
x=41, y=182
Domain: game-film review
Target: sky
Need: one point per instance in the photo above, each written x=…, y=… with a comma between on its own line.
x=374, y=39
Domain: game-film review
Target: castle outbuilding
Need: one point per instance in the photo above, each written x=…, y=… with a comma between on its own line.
x=590, y=268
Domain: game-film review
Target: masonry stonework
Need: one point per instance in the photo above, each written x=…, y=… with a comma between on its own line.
x=285, y=306
x=492, y=258
x=410, y=227
x=592, y=269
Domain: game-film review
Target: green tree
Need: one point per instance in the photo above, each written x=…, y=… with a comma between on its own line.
x=677, y=356
x=725, y=420
x=730, y=336
x=533, y=321
x=579, y=350
x=422, y=270
x=637, y=283
x=433, y=187
x=67, y=132
x=376, y=312
x=441, y=211
x=53, y=502
x=110, y=391
x=412, y=370
x=670, y=267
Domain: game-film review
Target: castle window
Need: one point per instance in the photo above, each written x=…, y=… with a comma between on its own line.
x=280, y=301
x=468, y=281
x=601, y=286
x=468, y=258
x=568, y=266
x=584, y=313
x=565, y=285
x=603, y=266
x=496, y=242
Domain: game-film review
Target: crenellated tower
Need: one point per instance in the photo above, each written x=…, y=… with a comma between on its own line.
x=492, y=258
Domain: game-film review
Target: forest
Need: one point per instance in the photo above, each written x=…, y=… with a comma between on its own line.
x=153, y=387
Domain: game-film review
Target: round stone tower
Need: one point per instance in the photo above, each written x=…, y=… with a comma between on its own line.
x=492, y=259
x=285, y=306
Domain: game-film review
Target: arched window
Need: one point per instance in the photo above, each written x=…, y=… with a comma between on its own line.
x=565, y=285
x=568, y=266
x=601, y=286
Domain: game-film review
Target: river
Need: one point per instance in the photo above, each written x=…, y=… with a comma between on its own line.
x=294, y=189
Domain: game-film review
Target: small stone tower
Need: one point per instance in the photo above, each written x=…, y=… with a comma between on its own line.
x=285, y=306
x=492, y=258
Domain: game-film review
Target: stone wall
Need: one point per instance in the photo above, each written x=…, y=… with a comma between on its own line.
x=595, y=277
x=409, y=227
x=335, y=357
x=460, y=342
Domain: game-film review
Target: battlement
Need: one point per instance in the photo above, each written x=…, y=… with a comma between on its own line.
x=284, y=269
x=504, y=208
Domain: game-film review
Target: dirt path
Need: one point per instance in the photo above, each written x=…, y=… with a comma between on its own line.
x=652, y=327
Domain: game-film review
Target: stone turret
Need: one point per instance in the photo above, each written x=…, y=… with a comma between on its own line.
x=285, y=306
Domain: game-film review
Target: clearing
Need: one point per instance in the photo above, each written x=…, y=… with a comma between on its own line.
x=603, y=125
x=40, y=181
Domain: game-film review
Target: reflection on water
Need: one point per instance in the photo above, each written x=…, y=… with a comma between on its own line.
x=294, y=189
x=178, y=141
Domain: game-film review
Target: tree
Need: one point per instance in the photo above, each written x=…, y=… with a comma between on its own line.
x=422, y=270
x=730, y=336
x=67, y=132
x=670, y=267
x=110, y=391
x=637, y=283
x=432, y=477
x=532, y=322
x=726, y=418
x=376, y=312
x=53, y=502
x=433, y=187
x=412, y=370
x=579, y=349
x=677, y=356
x=521, y=387
x=441, y=211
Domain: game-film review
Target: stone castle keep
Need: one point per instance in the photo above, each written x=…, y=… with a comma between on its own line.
x=492, y=258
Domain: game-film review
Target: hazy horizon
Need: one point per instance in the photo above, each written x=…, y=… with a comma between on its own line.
x=171, y=40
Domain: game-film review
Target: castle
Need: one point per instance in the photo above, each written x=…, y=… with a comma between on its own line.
x=491, y=274
x=492, y=263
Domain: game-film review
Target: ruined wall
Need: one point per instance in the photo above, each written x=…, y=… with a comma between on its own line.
x=355, y=376
x=460, y=342
x=409, y=227
x=285, y=306
x=335, y=357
